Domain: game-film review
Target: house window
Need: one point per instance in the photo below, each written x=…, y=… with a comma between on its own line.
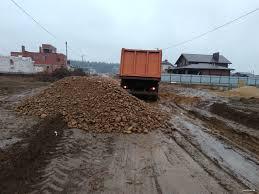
x=58, y=59
x=46, y=50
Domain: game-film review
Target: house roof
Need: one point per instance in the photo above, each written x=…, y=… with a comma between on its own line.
x=204, y=66
x=166, y=62
x=204, y=58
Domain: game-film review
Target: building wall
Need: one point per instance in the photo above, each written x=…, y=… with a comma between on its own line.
x=215, y=72
x=47, y=68
x=49, y=48
x=49, y=61
x=203, y=72
x=43, y=58
x=11, y=64
x=165, y=68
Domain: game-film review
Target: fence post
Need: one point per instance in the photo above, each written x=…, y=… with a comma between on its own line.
x=220, y=79
x=229, y=84
x=180, y=78
x=191, y=79
x=247, y=81
x=210, y=79
x=200, y=78
x=170, y=77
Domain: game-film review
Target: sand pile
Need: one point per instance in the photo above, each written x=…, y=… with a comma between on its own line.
x=94, y=103
x=246, y=92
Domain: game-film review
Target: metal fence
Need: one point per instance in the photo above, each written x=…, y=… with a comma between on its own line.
x=228, y=81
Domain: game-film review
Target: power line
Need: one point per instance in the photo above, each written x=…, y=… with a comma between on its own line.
x=30, y=16
x=40, y=25
x=212, y=30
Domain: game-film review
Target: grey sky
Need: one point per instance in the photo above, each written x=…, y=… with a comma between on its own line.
x=100, y=28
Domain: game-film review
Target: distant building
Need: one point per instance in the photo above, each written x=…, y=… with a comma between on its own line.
x=167, y=66
x=197, y=64
x=47, y=57
x=243, y=74
x=23, y=65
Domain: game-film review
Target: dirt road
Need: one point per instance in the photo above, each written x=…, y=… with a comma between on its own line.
x=154, y=163
x=190, y=156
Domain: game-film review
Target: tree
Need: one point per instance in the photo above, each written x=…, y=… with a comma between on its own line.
x=78, y=72
x=61, y=73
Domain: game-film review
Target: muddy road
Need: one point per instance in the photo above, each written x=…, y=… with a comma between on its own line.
x=201, y=151
x=224, y=129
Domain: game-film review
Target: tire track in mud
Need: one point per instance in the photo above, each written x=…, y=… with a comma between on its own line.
x=79, y=165
x=226, y=179
x=155, y=174
x=54, y=159
x=245, y=174
x=242, y=140
x=21, y=164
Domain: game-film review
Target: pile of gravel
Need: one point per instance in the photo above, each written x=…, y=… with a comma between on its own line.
x=94, y=104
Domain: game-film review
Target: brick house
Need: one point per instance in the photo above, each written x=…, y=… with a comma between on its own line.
x=47, y=57
x=197, y=64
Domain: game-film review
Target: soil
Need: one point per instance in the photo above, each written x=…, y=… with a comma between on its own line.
x=245, y=92
x=231, y=144
x=199, y=152
x=244, y=140
x=246, y=117
x=20, y=164
x=14, y=84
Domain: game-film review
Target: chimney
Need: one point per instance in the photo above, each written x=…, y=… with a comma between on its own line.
x=216, y=56
x=23, y=49
x=40, y=49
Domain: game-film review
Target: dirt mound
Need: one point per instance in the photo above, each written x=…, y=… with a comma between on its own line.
x=249, y=119
x=94, y=103
x=246, y=92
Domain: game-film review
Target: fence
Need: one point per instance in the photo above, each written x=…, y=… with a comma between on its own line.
x=228, y=81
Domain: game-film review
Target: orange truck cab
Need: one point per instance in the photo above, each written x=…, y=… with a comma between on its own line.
x=140, y=71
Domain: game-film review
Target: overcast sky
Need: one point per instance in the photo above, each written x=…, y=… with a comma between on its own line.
x=100, y=28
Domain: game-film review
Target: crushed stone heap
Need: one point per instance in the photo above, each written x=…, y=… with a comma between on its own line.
x=94, y=104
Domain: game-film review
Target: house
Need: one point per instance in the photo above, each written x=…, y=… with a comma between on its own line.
x=17, y=65
x=243, y=74
x=166, y=66
x=198, y=64
x=47, y=57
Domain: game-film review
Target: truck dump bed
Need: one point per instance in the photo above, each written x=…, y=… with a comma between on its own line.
x=141, y=63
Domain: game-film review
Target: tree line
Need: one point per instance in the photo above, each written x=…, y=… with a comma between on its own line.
x=99, y=67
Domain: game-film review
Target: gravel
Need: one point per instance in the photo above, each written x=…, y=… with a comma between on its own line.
x=94, y=104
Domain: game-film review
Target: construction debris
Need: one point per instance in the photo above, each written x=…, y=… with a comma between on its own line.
x=94, y=104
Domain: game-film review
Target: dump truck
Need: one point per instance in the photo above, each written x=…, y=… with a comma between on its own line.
x=140, y=72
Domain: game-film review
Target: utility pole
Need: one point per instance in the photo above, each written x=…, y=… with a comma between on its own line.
x=66, y=53
x=82, y=58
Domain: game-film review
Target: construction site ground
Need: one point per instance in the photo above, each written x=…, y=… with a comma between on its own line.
x=211, y=146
